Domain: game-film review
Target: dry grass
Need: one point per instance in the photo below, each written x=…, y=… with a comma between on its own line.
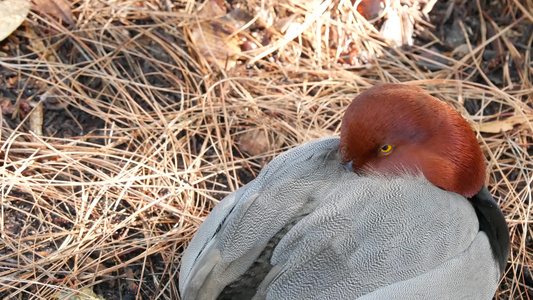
x=112, y=206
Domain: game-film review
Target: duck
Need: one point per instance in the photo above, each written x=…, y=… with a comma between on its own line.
x=393, y=208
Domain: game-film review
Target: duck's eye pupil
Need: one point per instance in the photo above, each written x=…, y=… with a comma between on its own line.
x=386, y=149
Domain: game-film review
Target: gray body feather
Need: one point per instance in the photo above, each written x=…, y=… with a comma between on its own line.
x=327, y=233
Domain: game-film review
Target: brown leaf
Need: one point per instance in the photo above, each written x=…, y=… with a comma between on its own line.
x=370, y=9
x=212, y=9
x=57, y=8
x=36, y=44
x=504, y=125
x=12, y=14
x=130, y=284
x=12, y=81
x=6, y=106
x=85, y=293
x=214, y=37
x=254, y=142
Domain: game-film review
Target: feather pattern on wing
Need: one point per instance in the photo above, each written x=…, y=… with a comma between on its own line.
x=322, y=232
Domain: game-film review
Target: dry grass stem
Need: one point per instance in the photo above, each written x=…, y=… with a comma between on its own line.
x=151, y=136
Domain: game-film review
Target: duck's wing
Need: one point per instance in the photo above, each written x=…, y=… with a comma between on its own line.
x=471, y=274
x=234, y=235
x=377, y=238
x=308, y=229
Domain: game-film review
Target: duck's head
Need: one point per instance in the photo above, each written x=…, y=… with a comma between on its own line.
x=396, y=129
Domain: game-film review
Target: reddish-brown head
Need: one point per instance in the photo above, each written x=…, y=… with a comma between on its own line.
x=395, y=129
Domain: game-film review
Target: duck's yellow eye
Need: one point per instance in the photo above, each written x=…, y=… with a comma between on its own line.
x=385, y=148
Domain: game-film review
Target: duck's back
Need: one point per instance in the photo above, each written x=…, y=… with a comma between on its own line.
x=306, y=228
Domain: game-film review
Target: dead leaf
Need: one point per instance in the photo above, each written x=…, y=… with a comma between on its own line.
x=370, y=9
x=214, y=37
x=398, y=27
x=215, y=45
x=6, y=106
x=212, y=9
x=131, y=284
x=36, y=44
x=85, y=293
x=57, y=8
x=12, y=81
x=254, y=142
x=504, y=125
x=392, y=28
x=12, y=14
